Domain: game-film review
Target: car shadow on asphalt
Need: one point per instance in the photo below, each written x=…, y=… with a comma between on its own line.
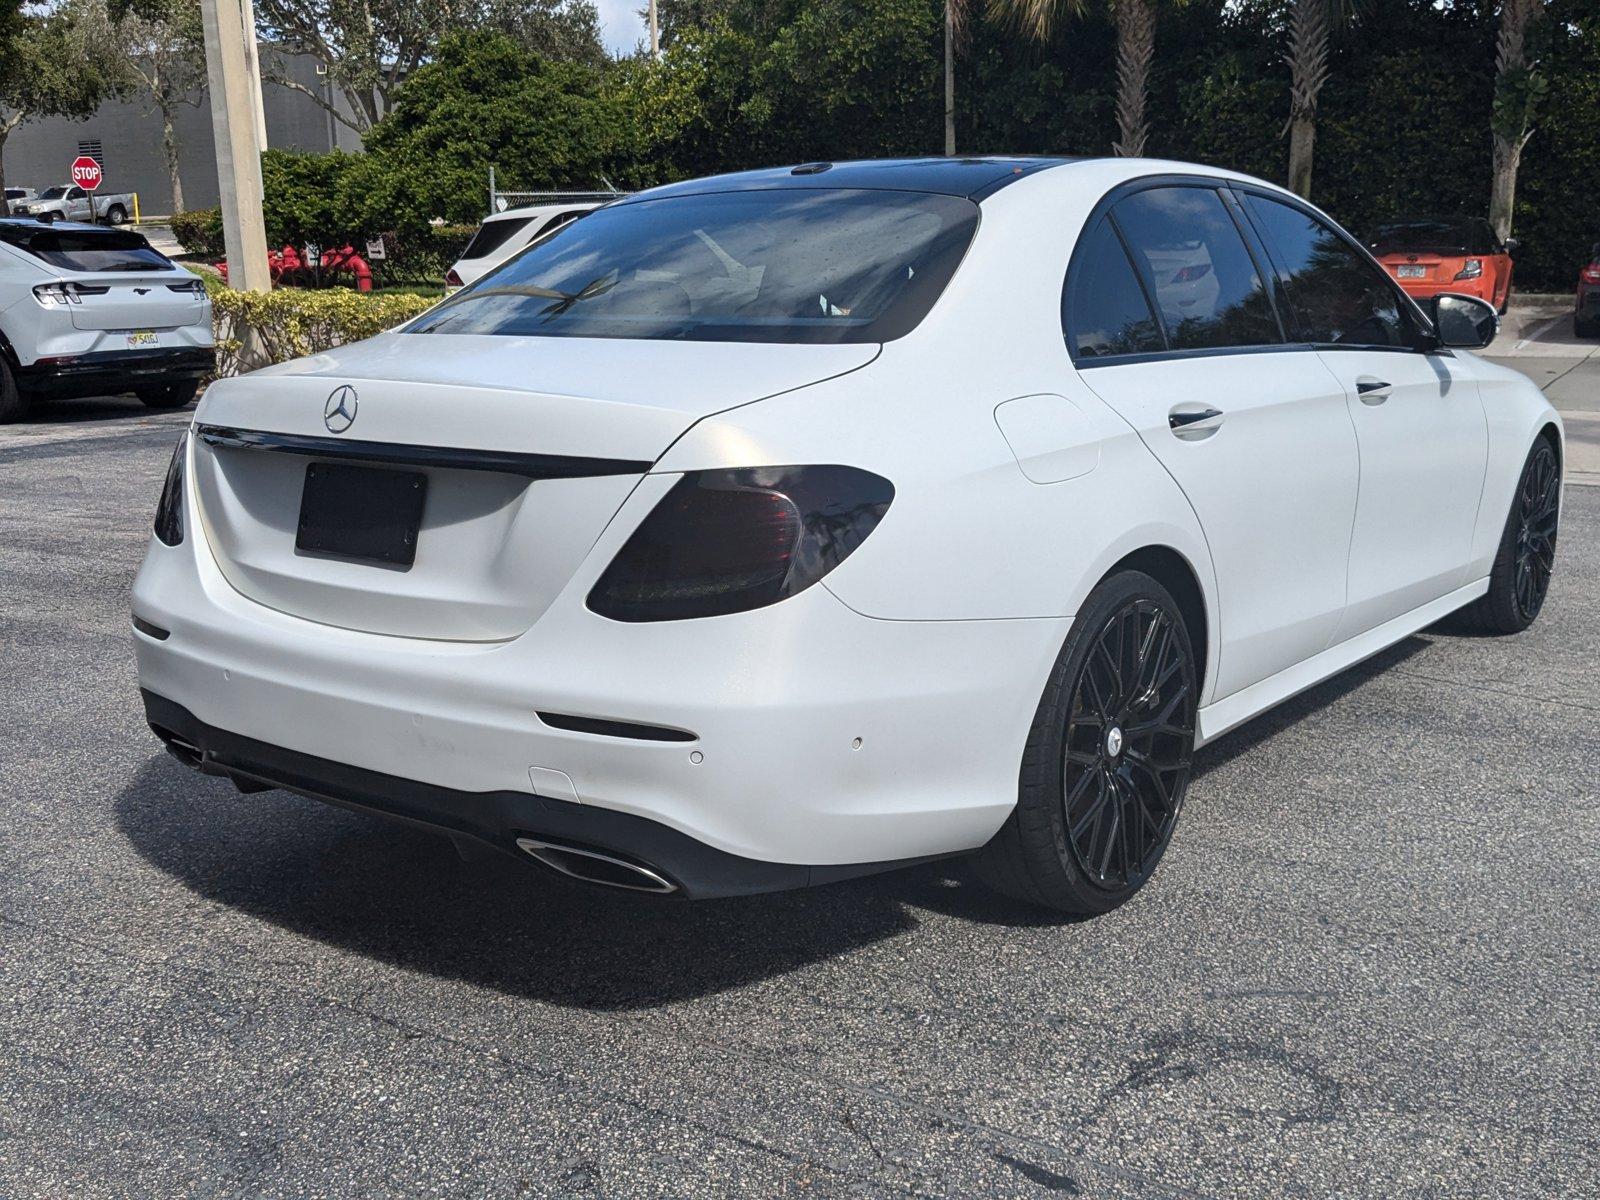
x=398, y=894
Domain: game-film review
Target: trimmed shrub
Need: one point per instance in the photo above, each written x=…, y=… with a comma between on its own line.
x=294, y=323
x=199, y=232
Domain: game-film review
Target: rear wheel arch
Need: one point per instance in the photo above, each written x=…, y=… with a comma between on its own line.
x=1552, y=435
x=1174, y=572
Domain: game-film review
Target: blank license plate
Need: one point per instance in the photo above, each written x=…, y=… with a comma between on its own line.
x=369, y=514
x=1412, y=272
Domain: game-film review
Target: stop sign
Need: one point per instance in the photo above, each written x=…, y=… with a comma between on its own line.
x=86, y=172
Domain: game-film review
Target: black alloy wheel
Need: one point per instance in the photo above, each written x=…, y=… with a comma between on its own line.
x=1108, y=757
x=1128, y=751
x=1538, y=508
x=1519, y=580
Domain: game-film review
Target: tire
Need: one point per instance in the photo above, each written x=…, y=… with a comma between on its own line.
x=13, y=404
x=173, y=395
x=116, y=215
x=1520, y=577
x=1128, y=663
x=1585, y=329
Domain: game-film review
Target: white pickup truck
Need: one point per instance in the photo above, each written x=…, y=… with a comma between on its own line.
x=69, y=202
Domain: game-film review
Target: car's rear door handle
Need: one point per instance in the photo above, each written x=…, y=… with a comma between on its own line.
x=1194, y=422
x=1372, y=391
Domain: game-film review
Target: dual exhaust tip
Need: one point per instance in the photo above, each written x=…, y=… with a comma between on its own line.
x=591, y=866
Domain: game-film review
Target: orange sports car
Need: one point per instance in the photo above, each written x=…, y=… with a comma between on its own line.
x=1430, y=255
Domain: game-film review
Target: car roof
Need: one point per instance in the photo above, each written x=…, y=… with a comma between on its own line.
x=74, y=226
x=973, y=178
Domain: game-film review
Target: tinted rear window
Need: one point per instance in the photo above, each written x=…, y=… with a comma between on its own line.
x=787, y=265
x=86, y=249
x=492, y=235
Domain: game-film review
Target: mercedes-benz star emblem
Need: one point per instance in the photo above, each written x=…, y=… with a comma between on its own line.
x=339, y=413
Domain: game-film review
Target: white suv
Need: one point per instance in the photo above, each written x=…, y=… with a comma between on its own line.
x=87, y=311
x=503, y=234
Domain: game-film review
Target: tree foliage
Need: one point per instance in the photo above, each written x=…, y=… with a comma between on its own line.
x=370, y=47
x=52, y=64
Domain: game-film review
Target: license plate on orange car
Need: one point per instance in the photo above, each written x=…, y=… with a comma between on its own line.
x=1411, y=272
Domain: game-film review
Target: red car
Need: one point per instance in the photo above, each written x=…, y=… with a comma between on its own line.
x=1433, y=255
x=1586, y=313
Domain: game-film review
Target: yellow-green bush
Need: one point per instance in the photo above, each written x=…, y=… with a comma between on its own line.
x=292, y=323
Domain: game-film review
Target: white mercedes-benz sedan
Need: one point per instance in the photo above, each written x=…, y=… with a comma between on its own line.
x=771, y=529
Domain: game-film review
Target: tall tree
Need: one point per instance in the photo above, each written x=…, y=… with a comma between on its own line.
x=50, y=66
x=1518, y=88
x=1136, y=49
x=1310, y=23
x=157, y=53
x=370, y=46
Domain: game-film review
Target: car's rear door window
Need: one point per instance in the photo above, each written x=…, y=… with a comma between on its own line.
x=1104, y=310
x=785, y=265
x=1339, y=297
x=1206, y=287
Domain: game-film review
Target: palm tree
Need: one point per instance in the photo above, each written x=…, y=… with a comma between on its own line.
x=1136, y=49
x=1518, y=88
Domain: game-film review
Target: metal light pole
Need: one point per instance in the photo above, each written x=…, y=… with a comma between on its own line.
x=949, y=77
x=236, y=124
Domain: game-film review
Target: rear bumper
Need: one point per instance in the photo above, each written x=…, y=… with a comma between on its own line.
x=1588, y=303
x=801, y=736
x=497, y=819
x=115, y=371
x=1426, y=289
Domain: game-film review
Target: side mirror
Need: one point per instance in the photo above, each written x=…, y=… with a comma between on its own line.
x=1513, y=245
x=1463, y=322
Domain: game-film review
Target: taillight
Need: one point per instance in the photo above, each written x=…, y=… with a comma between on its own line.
x=169, y=509
x=1192, y=272
x=1472, y=269
x=191, y=287
x=1591, y=273
x=63, y=294
x=452, y=278
x=727, y=541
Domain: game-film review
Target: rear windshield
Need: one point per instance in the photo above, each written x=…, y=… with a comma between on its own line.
x=86, y=249
x=787, y=265
x=492, y=235
x=1434, y=235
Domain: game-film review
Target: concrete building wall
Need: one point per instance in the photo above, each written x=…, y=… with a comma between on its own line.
x=38, y=154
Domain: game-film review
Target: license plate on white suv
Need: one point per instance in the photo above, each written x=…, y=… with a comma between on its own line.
x=1411, y=272
x=142, y=337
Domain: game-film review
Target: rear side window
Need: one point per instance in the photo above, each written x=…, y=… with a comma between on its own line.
x=1202, y=278
x=1103, y=308
x=85, y=249
x=492, y=235
x=1339, y=298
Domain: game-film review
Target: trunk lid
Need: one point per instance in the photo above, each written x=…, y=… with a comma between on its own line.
x=133, y=301
x=573, y=424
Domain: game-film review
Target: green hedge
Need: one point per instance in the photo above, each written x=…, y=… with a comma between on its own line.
x=293, y=323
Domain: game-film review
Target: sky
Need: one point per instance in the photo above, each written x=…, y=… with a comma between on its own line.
x=621, y=27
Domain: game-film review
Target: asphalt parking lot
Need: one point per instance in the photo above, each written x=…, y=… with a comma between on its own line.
x=1369, y=965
